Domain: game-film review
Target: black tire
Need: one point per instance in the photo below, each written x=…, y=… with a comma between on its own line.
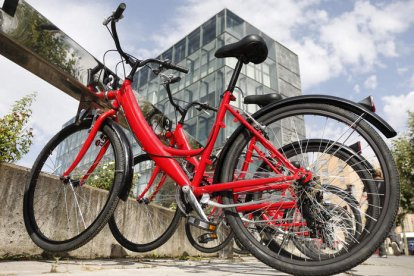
x=239, y=248
x=51, y=222
x=140, y=226
x=303, y=121
x=223, y=232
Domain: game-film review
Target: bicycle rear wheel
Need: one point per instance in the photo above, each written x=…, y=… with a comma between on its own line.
x=62, y=214
x=296, y=125
x=145, y=225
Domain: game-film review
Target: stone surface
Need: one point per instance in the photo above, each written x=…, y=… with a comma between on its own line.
x=374, y=266
x=15, y=242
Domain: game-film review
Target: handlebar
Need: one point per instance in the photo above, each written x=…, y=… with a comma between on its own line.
x=134, y=63
x=164, y=63
x=205, y=106
x=118, y=13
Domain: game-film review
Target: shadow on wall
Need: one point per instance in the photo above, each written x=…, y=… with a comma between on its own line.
x=16, y=243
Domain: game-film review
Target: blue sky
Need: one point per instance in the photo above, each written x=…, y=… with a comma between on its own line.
x=346, y=48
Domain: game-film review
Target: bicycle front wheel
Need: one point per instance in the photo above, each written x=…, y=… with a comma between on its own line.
x=146, y=224
x=62, y=214
x=301, y=211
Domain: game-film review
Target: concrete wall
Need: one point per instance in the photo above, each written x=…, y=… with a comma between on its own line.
x=14, y=240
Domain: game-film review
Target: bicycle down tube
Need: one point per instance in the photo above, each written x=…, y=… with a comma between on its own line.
x=162, y=154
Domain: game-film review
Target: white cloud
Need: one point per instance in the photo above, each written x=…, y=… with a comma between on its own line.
x=276, y=18
x=371, y=82
x=357, y=89
x=396, y=108
x=411, y=81
x=355, y=41
x=316, y=63
x=402, y=70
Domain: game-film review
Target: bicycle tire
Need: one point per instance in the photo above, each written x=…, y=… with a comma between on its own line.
x=239, y=248
x=128, y=234
x=376, y=231
x=59, y=227
x=224, y=234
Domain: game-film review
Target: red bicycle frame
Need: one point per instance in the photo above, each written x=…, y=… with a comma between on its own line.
x=163, y=155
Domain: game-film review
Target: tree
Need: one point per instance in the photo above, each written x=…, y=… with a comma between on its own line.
x=15, y=135
x=102, y=176
x=403, y=150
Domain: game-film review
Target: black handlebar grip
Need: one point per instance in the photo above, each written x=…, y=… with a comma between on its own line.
x=118, y=13
x=175, y=79
x=178, y=68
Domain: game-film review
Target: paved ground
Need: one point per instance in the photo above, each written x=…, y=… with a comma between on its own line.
x=398, y=266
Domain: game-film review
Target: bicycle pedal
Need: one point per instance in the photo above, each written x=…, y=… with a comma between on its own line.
x=207, y=237
x=144, y=200
x=205, y=225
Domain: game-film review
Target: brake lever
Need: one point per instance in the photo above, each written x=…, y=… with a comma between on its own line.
x=106, y=21
x=110, y=18
x=205, y=111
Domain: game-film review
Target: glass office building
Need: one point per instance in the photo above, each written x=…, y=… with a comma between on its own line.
x=208, y=76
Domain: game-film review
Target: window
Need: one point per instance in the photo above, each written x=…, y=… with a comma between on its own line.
x=193, y=41
x=143, y=76
x=209, y=31
x=193, y=65
x=179, y=51
x=204, y=127
x=234, y=24
x=271, y=46
x=208, y=59
x=220, y=23
x=167, y=54
x=266, y=74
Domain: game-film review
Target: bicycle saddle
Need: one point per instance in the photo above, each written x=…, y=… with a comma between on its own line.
x=251, y=48
x=262, y=100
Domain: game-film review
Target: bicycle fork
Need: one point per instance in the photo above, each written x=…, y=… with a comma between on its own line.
x=92, y=134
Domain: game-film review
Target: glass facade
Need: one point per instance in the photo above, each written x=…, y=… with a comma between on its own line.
x=208, y=76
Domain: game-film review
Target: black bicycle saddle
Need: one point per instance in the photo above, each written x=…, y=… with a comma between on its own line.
x=251, y=48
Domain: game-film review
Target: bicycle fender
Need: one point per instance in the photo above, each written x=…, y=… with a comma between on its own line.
x=126, y=147
x=351, y=106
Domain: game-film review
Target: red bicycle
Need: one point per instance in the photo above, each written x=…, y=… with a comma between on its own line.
x=274, y=168
x=159, y=190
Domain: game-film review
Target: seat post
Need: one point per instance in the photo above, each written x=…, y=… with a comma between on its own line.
x=235, y=75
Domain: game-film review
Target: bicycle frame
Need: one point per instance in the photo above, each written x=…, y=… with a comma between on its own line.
x=164, y=155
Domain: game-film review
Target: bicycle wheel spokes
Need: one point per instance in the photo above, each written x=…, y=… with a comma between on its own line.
x=63, y=213
x=332, y=163
x=147, y=223
x=335, y=212
x=65, y=208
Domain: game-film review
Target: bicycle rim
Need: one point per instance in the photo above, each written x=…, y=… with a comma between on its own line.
x=303, y=122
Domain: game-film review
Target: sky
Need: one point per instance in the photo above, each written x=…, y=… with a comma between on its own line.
x=346, y=48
